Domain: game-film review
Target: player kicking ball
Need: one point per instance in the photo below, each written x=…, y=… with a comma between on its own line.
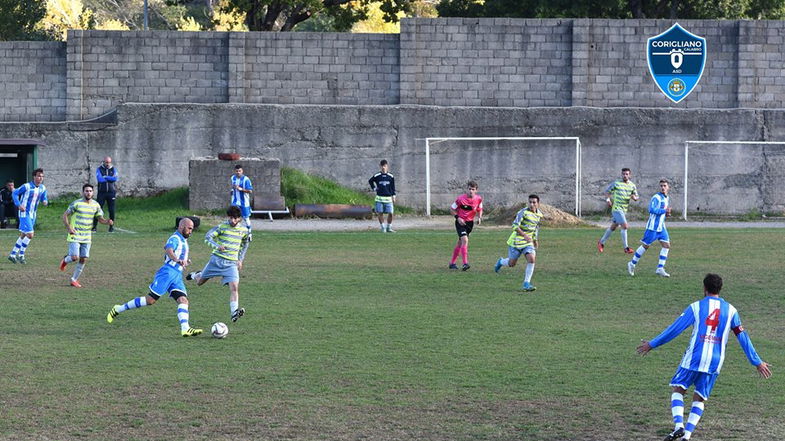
x=523, y=240
x=229, y=242
x=712, y=319
x=168, y=279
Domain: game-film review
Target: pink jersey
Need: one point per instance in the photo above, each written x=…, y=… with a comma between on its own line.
x=467, y=207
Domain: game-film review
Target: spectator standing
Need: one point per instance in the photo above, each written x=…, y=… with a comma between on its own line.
x=7, y=207
x=106, y=175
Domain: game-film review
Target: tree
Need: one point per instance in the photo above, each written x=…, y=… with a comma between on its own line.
x=284, y=15
x=62, y=15
x=19, y=17
x=672, y=9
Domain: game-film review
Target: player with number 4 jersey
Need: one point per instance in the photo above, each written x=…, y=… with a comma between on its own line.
x=712, y=319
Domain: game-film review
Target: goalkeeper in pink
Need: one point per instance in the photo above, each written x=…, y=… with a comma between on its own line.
x=465, y=208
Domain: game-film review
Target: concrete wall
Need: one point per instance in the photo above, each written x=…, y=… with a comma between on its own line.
x=32, y=81
x=445, y=62
x=210, y=187
x=152, y=144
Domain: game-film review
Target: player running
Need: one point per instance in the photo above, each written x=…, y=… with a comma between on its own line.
x=659, y=208
x=621, y=191
x=78, y=219
x=26, y=198
x=712, y=318
x=524, y=240
x=229, y=242
x=465, y=208
x=168, y=279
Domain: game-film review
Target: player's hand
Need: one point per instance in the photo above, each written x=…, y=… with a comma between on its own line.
x=644, y=347
x=221, y=248
x=668, y=211
x=21, y=208
x=461, y=221
x=111, y=222
x=609, y=203
x=763, y=370
x=239, y=265
x=71, y=230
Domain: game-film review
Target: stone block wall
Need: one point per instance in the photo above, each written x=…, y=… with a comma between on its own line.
x=313, y=68
x=108, y=68
x=209, y=181
x=32, y=81
x=497, y=62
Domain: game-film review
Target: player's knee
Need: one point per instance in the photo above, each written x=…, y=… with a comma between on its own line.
x=625, y=226
x=29, y=235
x=512, y=263
x=74, y=257
x=82, y=259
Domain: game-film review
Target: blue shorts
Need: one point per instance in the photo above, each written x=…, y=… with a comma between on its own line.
x=515, y=253
x=79, y=249
x=26, y=224
x=619, y=217
x=166, y=280
x=218, y=266
x=384, y=207
x=703, y=382
x=650, y=236
x=244, y=211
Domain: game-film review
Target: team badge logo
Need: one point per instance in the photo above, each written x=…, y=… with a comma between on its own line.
x=676, y=60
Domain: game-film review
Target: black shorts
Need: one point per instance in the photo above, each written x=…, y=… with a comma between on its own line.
x=464, y=230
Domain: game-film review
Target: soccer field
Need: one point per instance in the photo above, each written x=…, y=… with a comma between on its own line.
x=352, y=336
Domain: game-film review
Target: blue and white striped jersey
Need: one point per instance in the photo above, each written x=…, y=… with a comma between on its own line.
x=712, y=319
x=29, y=196
x=239, y=198
x=657, y=209
x=179, y=245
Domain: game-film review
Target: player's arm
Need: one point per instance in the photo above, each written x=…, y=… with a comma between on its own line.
x=44, y=198
x=67, y=220
x=372, y=182
x=748, y=348
x=100, y=178
x=110, y=178
x=248, y=186
x=209, y=238
x=609, y=193
x=656, y=206
x=16, y=194
x=684, y=321
x=634, y=195
x=392, y=186
x=479, y=214
x=169, y=249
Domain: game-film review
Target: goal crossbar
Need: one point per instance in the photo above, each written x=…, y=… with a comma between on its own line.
x=687, y=162
x=578, y=161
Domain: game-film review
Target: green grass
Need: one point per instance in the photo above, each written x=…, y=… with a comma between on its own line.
x=302, y=188
x=344, y=342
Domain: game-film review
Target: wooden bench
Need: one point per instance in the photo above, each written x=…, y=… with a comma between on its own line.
x=270, y=205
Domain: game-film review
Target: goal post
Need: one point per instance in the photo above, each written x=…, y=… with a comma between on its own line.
x=578, y=161
x=687, y=145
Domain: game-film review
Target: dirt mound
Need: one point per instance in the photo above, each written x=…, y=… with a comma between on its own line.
x=552, y=216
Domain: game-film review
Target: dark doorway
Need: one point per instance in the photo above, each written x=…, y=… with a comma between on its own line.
x=18, y=159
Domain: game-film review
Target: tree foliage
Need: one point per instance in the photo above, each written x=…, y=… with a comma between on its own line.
x=672, y=9
x=18, y=19
x=62, y=15
x=284, y=15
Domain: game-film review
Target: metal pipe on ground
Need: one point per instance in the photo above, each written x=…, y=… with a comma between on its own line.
x=332, y=210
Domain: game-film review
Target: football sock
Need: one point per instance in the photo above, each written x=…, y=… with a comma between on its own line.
x=663, y=257
x=606, y=236
x=78, y=271
x=133, y=303
x=67, y=259
x=529, y=272
x=677, y=409
x=25, y=242
x=248, y=223
x=624, y=238
x=182, y=316
x=465, y=254
x=638, y=254
x=17, y=247
x=384, y=226
x=505, y=261
x=695, y=415
x=455, y=252
x=233, y=307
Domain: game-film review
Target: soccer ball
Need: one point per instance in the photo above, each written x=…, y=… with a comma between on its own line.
x=219, y=330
